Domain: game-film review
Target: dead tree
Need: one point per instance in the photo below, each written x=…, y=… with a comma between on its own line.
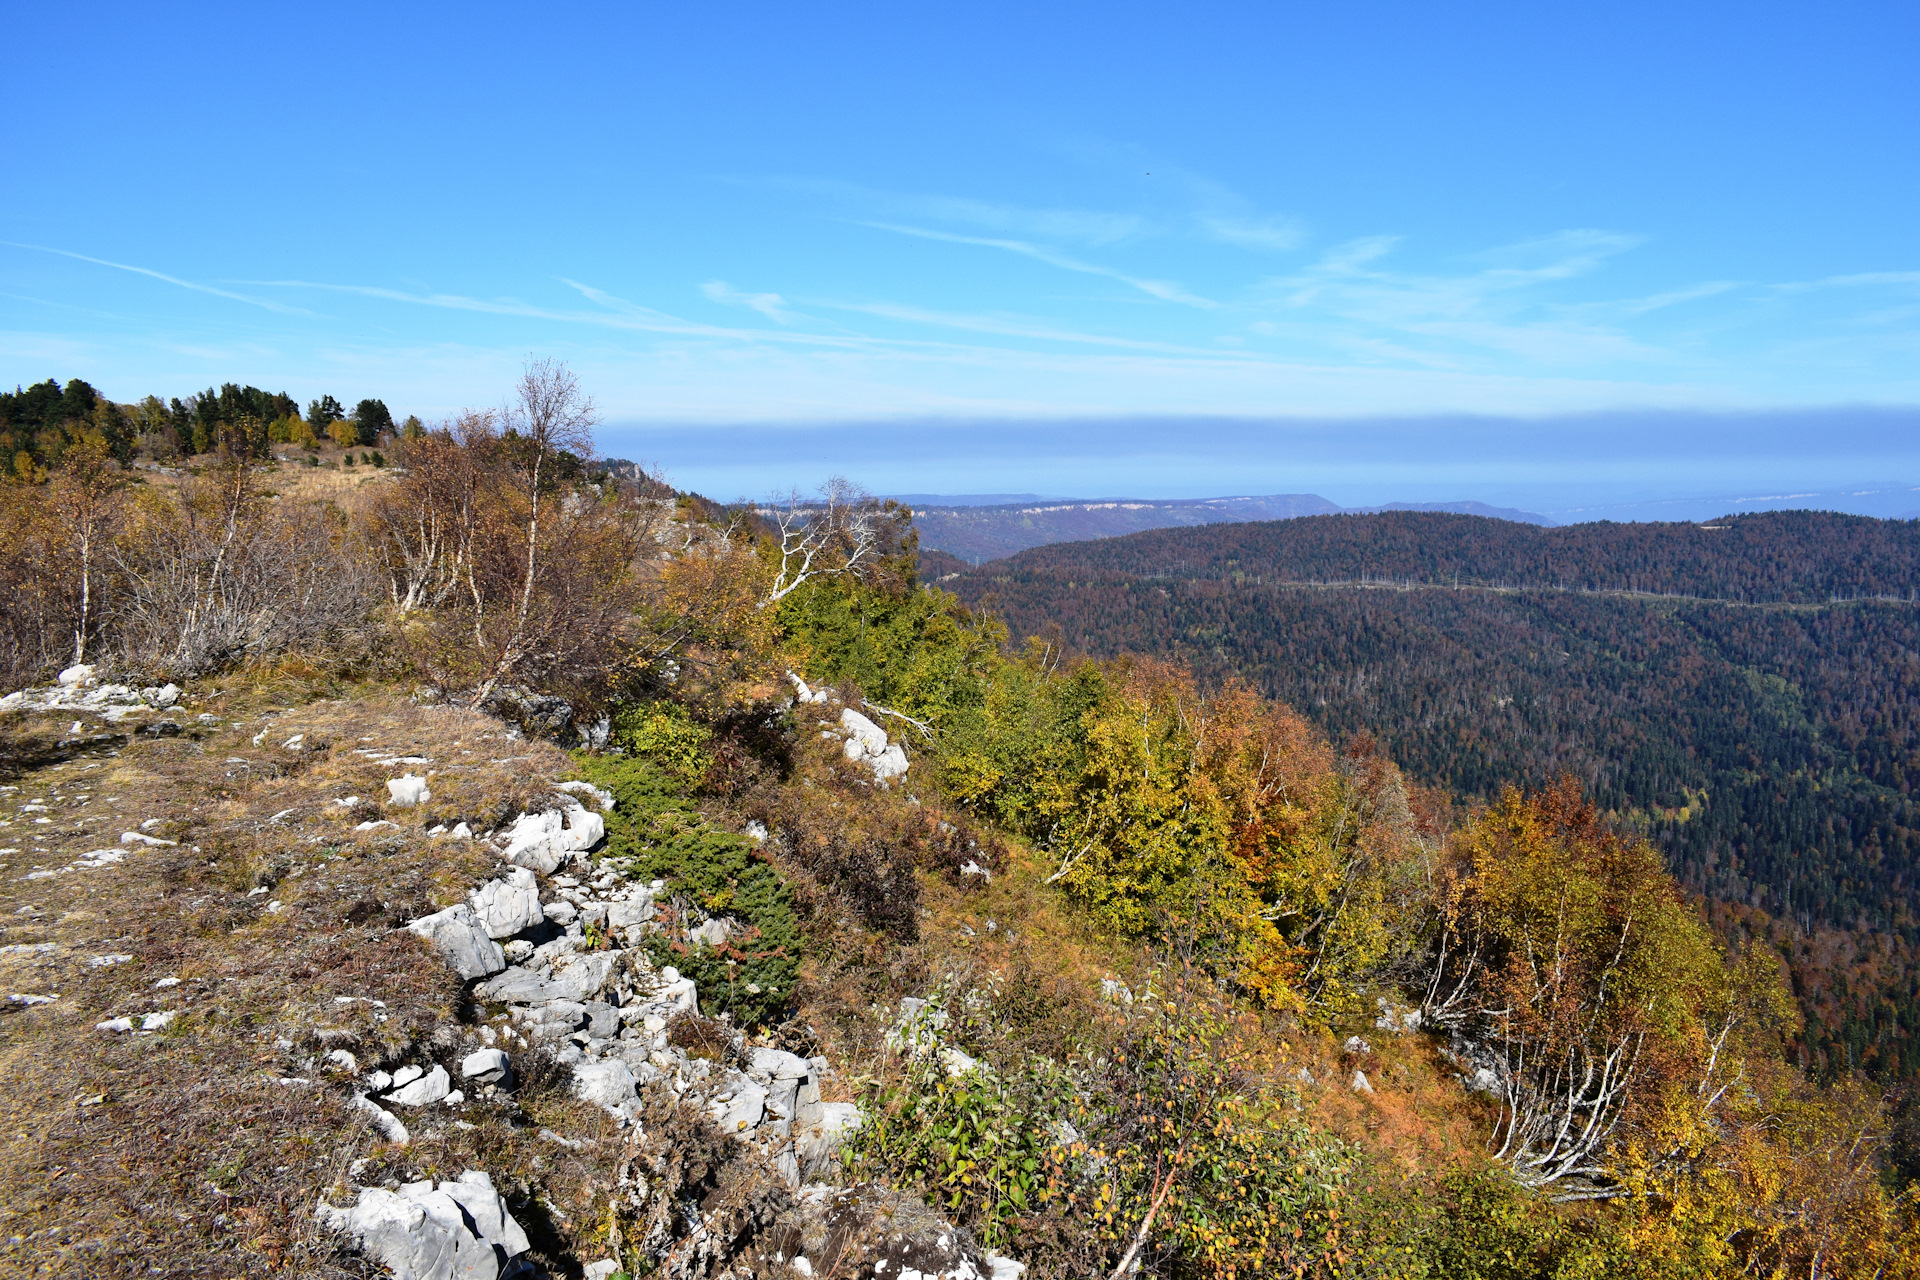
x=843, y=532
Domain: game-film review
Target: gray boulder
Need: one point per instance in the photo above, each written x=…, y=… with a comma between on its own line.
x=820, y=1135
x=776, y=1064
x=636, y=910
x=507, y=906
x=462, y=940
x=486, y=1066
x=518, y=986
x=608, y=1084
x=738, y=1108
x=603, y=1020
x=864, y=737
x=460, y=1230
x=581, y=975
x=428, y=1088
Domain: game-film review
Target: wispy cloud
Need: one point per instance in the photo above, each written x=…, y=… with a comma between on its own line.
x=770, y=305
x=1498, y=307
x=1010, y=327
x=619, y=314
x=1073, y=226
x=149, y=272
x=1164, y=290
x=1860, y=279
x=1278, y=234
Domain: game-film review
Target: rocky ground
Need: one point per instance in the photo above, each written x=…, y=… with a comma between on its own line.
x=344, y=987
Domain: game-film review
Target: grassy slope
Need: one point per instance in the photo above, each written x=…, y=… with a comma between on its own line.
x=182, y=1149
x=196, y=1148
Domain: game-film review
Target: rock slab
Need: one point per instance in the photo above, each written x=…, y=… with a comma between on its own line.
x=462, y=940
x=459, y=1230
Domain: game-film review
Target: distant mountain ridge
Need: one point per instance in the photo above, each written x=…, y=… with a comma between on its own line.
x=976, y=530
x=1779, y=557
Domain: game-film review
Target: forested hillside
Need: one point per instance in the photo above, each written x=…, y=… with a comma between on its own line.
x=1771, y=750
x=522, y=863
x=1805, y=557
x=980, y=532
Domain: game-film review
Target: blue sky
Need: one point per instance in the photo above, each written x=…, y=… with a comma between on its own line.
x=989, y=247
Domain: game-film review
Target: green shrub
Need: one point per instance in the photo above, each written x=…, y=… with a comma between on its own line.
x=983, y=1147
x=655, y=832
x=663, y=733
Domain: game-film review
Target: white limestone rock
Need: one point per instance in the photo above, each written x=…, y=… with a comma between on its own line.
x=602, y=798
x=776, y=1064
x=890, y=764
x=714, y=932
x=516, y=985
x=460, y=1230
x=580, y=976
x=407, y=790
x=509, y=905
x=818, y=1138
x=864, y=737
x=673, y=996
x=738, y=1108
x=462, y=941
x=487, y=1066
x=542, y=841
x=385, y=1121
x=428, y=1088
x=608, y=1084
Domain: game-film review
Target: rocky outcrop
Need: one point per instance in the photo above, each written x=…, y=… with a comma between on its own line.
x=544, y=841
x=460, y=938
x=867, y=743
x=509, y=905
x=80, y=691
x=867, y=1232
x=458, y=1230
x=559, y=962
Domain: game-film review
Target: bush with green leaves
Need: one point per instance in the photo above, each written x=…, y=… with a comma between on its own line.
x=665, y=734
x=913, y=649
x=655, y=832
x=985, y=1147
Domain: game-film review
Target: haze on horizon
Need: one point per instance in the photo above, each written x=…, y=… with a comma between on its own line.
x=1383, y=252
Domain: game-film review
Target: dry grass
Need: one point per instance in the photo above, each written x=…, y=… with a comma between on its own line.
x=199, y=1150
x=291, y=479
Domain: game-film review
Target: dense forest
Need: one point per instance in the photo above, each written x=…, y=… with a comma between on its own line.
x=40, y=423
x=1770, y=750
x=1803, y=557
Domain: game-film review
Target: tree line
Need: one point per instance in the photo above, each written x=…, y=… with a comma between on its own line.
x=40, y=424
x=1804, y=557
